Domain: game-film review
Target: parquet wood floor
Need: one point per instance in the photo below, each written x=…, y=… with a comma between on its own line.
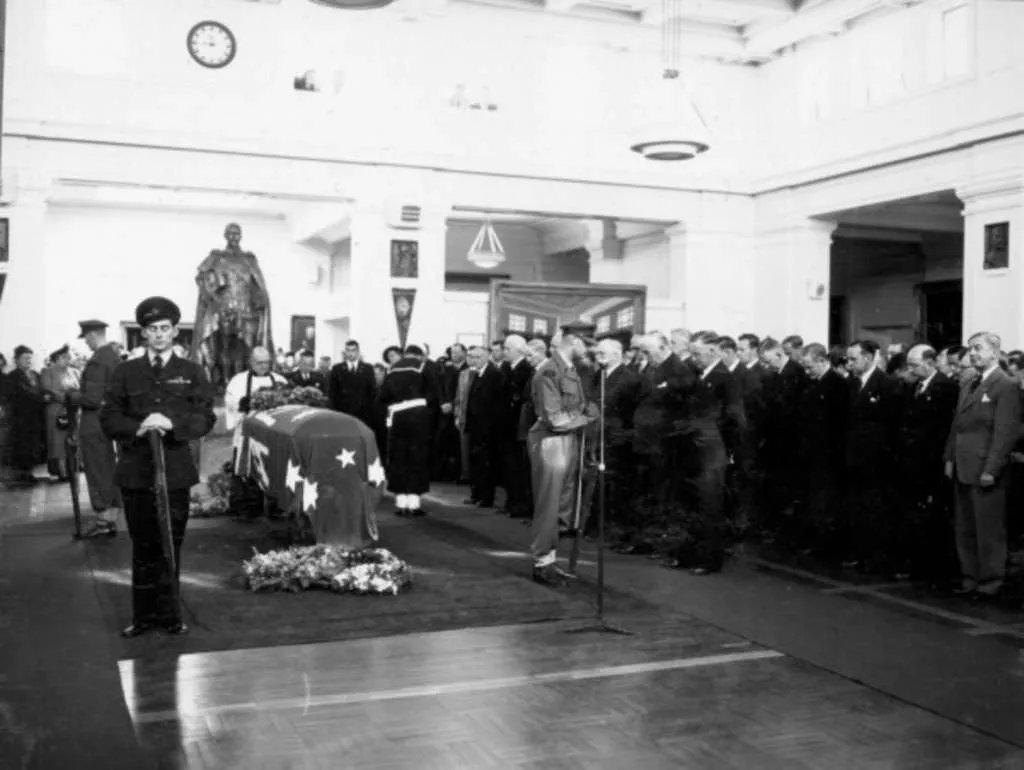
x=678, y=694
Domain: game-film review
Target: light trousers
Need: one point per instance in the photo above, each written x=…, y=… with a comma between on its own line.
x=981, y=531
x=554, y=466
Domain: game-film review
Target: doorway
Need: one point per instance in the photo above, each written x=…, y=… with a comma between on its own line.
x=941, y=306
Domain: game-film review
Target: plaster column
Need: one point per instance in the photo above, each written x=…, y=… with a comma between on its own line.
x=993, y=298
x=372, y=316
x=711, y=278
x=791, y=269
x=25, y=317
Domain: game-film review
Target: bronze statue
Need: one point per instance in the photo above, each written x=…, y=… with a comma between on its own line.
x=233, y=313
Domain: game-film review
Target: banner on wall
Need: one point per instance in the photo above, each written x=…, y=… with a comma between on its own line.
x=403, y=300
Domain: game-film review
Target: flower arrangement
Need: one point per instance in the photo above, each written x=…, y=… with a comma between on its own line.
x=219, y=484
x=272, y=398
x=369, y=571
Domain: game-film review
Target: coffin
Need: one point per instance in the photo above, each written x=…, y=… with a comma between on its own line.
x=318, y=463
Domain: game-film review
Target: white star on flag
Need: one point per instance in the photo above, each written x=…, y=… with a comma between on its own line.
x=375, y=473
x=347, y=458
x=292, y=476
x=309, y=495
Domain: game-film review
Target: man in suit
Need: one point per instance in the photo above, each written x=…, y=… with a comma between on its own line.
x=822, y=454
x=780, y=448
x=448, y=449
x=872, y=425
x=925, y=535
x=305, y=376
x=621, y=395
x=486, y=417
x=159, y=392
x=459, y=409
x=985, y=428
x=516, y=467
x=716, y=423
x=665, y=465
x=97, y=450
x=352, y=387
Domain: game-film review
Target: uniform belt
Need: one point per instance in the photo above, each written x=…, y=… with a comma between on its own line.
x=401, y=406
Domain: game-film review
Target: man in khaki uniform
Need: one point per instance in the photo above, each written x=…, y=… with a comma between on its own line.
x=553, y=444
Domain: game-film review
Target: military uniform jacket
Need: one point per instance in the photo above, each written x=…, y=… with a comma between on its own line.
x=97, y=375
x=182, y=394
x=558, y=397
x=408, y=380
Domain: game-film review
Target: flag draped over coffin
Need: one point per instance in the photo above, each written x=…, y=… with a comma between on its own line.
x=318, y=462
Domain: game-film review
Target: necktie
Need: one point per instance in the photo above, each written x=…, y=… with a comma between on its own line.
x=158, y=366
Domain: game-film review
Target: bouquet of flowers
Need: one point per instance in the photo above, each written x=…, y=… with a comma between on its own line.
x=369, y=571
x=272, y=398
x=218, y=504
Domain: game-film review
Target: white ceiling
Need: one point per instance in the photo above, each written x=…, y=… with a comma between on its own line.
x=748, y=31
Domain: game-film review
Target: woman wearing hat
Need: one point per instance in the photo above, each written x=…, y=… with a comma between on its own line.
x=25, y=414
x=57, y=380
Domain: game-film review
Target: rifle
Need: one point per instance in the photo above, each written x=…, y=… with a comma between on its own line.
x=71, y=461
x=163, y=515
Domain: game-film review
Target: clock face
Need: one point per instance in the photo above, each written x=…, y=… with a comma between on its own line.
x=211, y=44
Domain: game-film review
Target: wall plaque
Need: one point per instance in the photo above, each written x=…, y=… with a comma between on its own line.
x=405, y=259
x=997, y=246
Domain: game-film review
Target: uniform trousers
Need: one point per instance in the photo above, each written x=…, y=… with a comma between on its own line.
x=554, y=466
x=99, y=462
x=151, y=580
x=409, y=445
x=981, y=531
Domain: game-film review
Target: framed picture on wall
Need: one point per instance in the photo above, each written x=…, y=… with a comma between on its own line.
x=997, y=246
x=5, y=236
x=303, y=333
x=405, y=259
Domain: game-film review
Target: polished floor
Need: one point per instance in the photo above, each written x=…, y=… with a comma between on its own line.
x=759, y=667
x=677, y=694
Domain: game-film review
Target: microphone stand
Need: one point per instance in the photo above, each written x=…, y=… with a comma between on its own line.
x=599, y=624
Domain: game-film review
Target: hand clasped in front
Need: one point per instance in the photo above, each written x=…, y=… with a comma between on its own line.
x=156, y=421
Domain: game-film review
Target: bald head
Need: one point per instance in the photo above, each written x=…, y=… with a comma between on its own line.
x=609, y=353
x=536, y=352
x=259, y=361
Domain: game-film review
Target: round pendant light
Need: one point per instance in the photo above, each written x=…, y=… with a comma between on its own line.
x=486, y=251
x=679, y=132
x=353, y=5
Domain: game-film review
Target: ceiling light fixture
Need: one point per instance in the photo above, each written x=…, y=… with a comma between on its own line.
x=486, y=251
x=353, y=5
x=680, y=132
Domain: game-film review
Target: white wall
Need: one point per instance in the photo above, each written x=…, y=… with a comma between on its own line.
x=101, y=264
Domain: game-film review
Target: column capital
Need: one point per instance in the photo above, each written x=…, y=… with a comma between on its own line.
x=992, y=193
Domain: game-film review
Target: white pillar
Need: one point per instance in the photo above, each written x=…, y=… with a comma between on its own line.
x=993, y=297
x=791, y=269
x=711, y=278
x=372, y=315
x=24, y=307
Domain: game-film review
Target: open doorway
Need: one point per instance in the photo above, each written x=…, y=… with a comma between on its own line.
x=897, y=273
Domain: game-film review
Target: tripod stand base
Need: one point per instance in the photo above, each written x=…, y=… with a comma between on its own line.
x=599, y=626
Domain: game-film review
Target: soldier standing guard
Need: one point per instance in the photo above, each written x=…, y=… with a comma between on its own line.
x=97, y=450
x=163, y=392
x=554, y=446
x=409, y=395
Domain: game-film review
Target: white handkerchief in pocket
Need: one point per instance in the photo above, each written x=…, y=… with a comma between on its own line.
x=985, y=399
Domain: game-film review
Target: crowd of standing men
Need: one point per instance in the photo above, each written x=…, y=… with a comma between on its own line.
x=900, y=463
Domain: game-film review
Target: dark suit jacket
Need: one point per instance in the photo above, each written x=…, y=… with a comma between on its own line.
x=621, y=396
x=353, y=393
x=924, y=429
x=312, y=380
x=517, y=388
x=782, y=391
x=822, y=424
x=718, y=405
x=873, y=425
x=182, y=394
x=487, y=403
x=985, y=427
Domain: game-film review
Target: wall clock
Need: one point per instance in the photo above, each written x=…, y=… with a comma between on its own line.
x=212, y=44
